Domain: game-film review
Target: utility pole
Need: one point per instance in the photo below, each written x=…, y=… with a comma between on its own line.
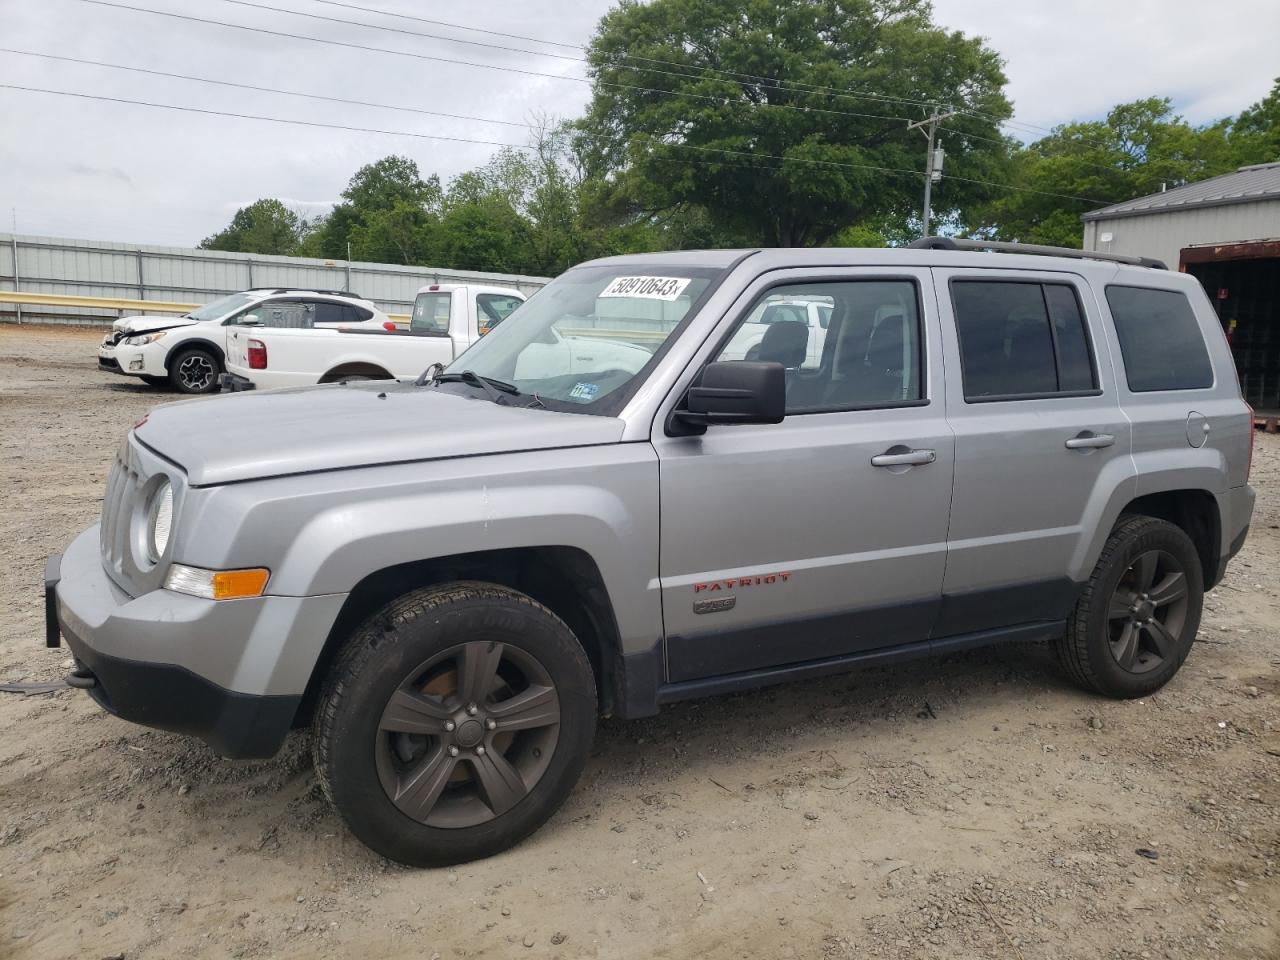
x=933, y=164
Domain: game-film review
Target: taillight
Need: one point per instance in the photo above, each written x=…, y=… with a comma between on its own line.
x=1252, y=431
x=257, y=355
x=389, y=326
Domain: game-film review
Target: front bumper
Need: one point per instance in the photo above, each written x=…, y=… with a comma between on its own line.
x=232, y=673
x=147, y=360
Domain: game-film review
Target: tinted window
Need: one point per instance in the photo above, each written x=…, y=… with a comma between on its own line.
x=329, y=312
x=1020, y=339
x=1160, y=340
x=867, y=354
x=1075, y=364
x=356, y=314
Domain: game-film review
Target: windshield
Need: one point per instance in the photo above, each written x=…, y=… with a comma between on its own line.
x=584, y=342
x=220, y=308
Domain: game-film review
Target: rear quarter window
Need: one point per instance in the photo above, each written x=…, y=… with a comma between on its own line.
x=1160, y=340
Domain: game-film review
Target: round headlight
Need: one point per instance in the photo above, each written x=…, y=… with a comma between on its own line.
x=161, y=519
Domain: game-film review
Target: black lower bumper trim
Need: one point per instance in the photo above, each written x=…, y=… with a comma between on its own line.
x=1214, y=576
x=52, y=577
x=173, y=698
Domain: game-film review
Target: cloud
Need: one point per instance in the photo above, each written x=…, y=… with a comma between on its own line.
x=173, y=177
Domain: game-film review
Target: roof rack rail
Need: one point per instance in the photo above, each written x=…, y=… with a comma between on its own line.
x=331, y=293
x=1035, y=249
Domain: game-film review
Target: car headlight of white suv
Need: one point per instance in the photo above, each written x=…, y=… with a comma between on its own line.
x=143, y=339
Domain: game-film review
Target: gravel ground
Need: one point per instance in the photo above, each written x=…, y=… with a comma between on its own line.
x=976, y=806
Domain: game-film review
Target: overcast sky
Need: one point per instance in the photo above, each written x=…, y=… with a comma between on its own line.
x=88, y=169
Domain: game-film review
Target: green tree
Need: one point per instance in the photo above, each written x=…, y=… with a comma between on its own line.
x=265, y=226
x=1140, y=148
x=483, y=234
x=694, y=101
x=384, y=206
x=1255, y=134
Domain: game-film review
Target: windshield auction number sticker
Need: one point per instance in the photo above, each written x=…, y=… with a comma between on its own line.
x=647, y=288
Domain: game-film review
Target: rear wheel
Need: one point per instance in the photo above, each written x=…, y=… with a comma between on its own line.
x=194, y=370
x=454, y=723
x=1137, y=618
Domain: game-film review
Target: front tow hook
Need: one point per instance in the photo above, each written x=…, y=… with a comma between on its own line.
x=82, y=678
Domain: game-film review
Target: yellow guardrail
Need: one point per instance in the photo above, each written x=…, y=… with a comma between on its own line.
x=100, y=303
x=117, y=303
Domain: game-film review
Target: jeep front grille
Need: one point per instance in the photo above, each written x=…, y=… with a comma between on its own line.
x=117, y=506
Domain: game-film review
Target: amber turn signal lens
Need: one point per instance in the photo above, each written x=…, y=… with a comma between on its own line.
x=217, y=584
x=237, y=584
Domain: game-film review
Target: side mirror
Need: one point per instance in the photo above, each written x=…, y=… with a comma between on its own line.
x=736, y=391
x=250, y=320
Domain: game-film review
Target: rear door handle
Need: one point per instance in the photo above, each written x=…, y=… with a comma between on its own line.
x=1088, y=441
x=910, y=458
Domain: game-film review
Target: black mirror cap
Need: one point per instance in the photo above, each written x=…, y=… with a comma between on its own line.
x=737, y=391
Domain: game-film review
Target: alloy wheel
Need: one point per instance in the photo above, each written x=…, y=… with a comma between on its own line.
x=196, y=372
x=1148, y=612
x=467, y=734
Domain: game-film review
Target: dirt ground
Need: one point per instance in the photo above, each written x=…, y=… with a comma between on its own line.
x=976, y=806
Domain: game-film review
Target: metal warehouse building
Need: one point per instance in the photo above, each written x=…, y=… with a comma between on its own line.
x=1226, y=232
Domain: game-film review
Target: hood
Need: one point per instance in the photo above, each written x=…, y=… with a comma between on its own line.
x=147, y=324
x=248, y=436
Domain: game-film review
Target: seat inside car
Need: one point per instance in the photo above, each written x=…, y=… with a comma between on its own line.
x=785, y=342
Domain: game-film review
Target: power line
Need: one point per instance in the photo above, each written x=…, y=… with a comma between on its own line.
x=255, y=116
x=737, y=76
x=258, y=89
x=1088, y=163
x=726, y=101
x=493, y=143
x=685, y=68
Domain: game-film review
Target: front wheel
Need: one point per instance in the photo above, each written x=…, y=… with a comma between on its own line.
x=194, y=371
x=1137, y=618
x=454, y=723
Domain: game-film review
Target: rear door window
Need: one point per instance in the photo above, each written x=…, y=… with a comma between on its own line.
x=1160, y=340
x=1020, y=340
x=277, y=313
x=329, y=312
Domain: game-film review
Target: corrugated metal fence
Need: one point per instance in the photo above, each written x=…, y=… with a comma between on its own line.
x=102, y=269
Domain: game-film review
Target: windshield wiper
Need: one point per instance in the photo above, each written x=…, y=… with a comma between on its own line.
x=488, y=384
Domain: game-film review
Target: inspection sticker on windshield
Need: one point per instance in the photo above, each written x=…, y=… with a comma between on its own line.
x=586, y=392
x=647, y=288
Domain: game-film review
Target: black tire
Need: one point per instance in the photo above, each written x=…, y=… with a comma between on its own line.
x=1117, y=642
x=422, y=635
x=194, y=370
x=161, y=383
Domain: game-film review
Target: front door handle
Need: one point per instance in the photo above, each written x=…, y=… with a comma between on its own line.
x=909, y=458
x=1090, y=441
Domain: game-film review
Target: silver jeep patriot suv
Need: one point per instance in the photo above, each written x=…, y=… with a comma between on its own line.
x=450, y=579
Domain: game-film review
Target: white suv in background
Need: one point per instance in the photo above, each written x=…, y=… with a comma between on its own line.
x=189, y=353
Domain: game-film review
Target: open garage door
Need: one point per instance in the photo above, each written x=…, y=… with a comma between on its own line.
x=1243, y=281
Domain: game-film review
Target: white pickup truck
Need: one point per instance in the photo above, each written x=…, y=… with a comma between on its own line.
x=799, y=334
x=447, y=318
